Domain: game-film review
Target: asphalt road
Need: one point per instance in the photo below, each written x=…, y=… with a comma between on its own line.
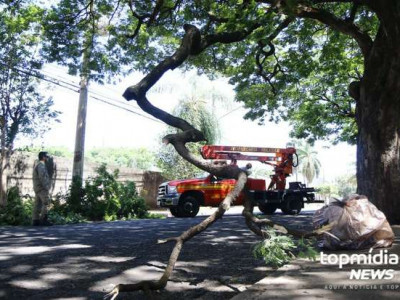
x=85, y=261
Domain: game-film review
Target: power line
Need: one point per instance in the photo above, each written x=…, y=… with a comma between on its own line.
x=127, y=109
x=75, y=88
x=229, y=112
x=95, y=92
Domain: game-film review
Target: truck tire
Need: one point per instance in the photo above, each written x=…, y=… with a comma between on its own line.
x=188, y=207
x=292, y=205
x=175, y=212
x=267, y=209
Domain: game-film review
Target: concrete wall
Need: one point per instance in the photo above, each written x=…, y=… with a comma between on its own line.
x=20, y=174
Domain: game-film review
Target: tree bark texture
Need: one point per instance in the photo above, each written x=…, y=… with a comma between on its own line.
x=3, y=163
x=3, y=181
x=378, y=116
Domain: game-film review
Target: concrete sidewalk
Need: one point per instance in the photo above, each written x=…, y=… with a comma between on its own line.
x=304, y=279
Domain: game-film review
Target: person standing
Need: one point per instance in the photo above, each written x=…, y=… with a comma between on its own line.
x=41, y=187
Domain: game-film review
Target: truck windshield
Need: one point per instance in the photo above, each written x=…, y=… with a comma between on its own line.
x=202, y=175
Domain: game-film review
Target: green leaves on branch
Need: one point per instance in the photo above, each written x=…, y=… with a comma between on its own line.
x=277, y=250
x=102, y=198
x=18, y=210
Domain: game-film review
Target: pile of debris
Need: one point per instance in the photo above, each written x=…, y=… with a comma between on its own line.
x=355, y=223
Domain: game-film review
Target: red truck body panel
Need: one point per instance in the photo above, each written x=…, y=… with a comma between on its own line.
x=214, y=191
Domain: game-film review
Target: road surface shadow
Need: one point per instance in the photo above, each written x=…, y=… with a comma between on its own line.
x=85, y=261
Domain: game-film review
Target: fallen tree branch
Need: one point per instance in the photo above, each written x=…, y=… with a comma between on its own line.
x=185, y=236
x=256, y=225
x=192, y=44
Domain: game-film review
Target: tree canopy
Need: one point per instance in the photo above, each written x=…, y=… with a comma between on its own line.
x=330, y=67
x=24, y=110
x=287, y=61
x=285, y=64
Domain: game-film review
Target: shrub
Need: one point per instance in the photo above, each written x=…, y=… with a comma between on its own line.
x=18, y=211
x=132, y=206
x=58, y=218
x=103, y=198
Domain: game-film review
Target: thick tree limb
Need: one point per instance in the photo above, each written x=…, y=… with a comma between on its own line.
x=304, y=10
x=260, y=62
x=256, y=225
x=185, y=236
x=192, y=44
x=363, y=40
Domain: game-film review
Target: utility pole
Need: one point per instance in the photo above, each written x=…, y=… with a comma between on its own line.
x=79, y=154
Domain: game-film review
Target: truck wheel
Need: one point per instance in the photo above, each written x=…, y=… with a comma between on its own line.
x=292, y=205
x=188, y=207
x=267, y=209
x=175, y=212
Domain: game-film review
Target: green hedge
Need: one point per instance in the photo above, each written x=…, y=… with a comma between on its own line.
x=101, y=198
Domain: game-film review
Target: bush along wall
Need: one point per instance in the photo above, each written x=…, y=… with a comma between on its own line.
x=100, y=198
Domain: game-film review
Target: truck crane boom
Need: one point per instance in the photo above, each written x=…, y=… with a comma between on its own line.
x=281, y=159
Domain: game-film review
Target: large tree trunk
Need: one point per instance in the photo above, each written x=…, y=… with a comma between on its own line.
x=378, y=118
x=3, y=182
x=3, y=163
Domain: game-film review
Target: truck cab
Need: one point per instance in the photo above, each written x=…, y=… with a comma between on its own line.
x=184, y=197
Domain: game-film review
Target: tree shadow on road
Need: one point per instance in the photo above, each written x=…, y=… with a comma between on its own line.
x=85, y=261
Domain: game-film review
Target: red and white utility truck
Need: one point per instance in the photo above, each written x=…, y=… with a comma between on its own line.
x=184, y=197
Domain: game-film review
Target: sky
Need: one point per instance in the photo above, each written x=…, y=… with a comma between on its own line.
x=111, y=126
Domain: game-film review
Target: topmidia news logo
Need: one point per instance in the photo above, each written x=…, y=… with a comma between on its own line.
x=380, y=258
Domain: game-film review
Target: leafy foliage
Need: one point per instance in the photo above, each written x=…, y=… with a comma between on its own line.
x=347, y=185
x=305, y=80
x=24, y=110
x=309, y=165
x=18, y=211
x=91, y=37
x=342, y=187
x=68, y=218
x=101, y=198
x=173, y=166
x=137, y=158
x=57, y=151
x=278, y=250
